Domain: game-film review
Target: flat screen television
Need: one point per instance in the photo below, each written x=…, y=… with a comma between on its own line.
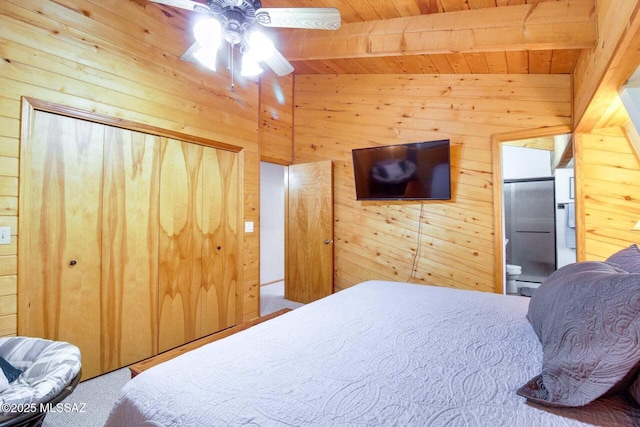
x=416, y=171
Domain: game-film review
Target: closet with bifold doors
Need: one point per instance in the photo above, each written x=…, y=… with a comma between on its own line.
x=128, y=241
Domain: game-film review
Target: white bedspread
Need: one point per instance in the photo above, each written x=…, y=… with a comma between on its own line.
x=377, y=354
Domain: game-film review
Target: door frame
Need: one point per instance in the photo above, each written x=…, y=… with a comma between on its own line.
x=498, y=211
x=31, y=105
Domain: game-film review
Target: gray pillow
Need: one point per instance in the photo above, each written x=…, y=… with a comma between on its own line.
x=627, y=259
x=587, y=317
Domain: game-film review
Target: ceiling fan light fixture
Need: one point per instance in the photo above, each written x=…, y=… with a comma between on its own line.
x=234, y=25
x=231, y=21
x=208, y=33
x=250, y=66
x=207, y=57
x=260, y=46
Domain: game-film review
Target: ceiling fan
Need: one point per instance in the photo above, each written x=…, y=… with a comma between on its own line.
x=234, y=21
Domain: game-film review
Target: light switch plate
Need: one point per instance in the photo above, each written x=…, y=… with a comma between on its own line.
x=5, y=235
x=248, y=227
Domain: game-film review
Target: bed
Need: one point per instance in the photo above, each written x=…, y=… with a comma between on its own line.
x=377, y=354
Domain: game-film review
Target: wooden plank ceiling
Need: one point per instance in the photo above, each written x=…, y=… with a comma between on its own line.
x=436, y=36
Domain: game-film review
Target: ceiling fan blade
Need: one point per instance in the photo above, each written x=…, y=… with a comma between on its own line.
x=322, y=18
x=189, y=54
x=185, y=4
x=278, y=63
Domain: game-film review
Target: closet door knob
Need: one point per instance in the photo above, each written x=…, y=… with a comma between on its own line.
x=326, y=242
x=72, y=263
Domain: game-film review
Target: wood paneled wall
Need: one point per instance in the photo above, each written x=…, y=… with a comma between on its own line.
x=607, y=188
x=106, y=56
x=446, y=243
x=276, y=119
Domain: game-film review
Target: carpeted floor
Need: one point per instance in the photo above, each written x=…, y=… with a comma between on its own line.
x=272, y=299
x=95, y=397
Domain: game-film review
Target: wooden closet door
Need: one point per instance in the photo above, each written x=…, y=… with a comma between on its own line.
x=219, y=225
x=129, y=300
x=180, y=243
x=60, y=242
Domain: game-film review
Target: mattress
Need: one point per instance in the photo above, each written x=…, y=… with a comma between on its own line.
x=377, y=354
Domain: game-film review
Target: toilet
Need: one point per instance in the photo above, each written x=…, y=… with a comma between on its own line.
x=513, y=272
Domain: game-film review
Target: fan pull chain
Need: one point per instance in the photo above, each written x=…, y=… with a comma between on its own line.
x=230, y=66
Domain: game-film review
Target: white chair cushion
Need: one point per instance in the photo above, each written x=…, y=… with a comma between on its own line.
x=4, y=383
x=47, y=367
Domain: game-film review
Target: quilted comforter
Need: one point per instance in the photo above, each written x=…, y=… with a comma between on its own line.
x=377, y=354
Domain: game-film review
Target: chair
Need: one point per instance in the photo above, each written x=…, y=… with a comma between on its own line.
x=50, y=372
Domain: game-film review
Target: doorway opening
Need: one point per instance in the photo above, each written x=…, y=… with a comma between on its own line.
x=272, y=238
x=538, y=214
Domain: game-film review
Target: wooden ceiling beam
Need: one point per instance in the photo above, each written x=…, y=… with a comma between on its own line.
x=567, y=24
x=602, y=70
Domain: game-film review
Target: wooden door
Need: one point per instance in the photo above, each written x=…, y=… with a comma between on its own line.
x=60, y=234
x=199, y=220
x=129, y=297
x=309, y=232
x=219, y=225
x=180, y=243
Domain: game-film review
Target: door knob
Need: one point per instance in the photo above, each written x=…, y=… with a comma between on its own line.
x=327, y=241
x=72, y=263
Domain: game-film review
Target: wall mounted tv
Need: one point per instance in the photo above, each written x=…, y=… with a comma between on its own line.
x=416, y=171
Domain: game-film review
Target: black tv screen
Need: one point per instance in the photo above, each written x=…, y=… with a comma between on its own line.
x=416, y=171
